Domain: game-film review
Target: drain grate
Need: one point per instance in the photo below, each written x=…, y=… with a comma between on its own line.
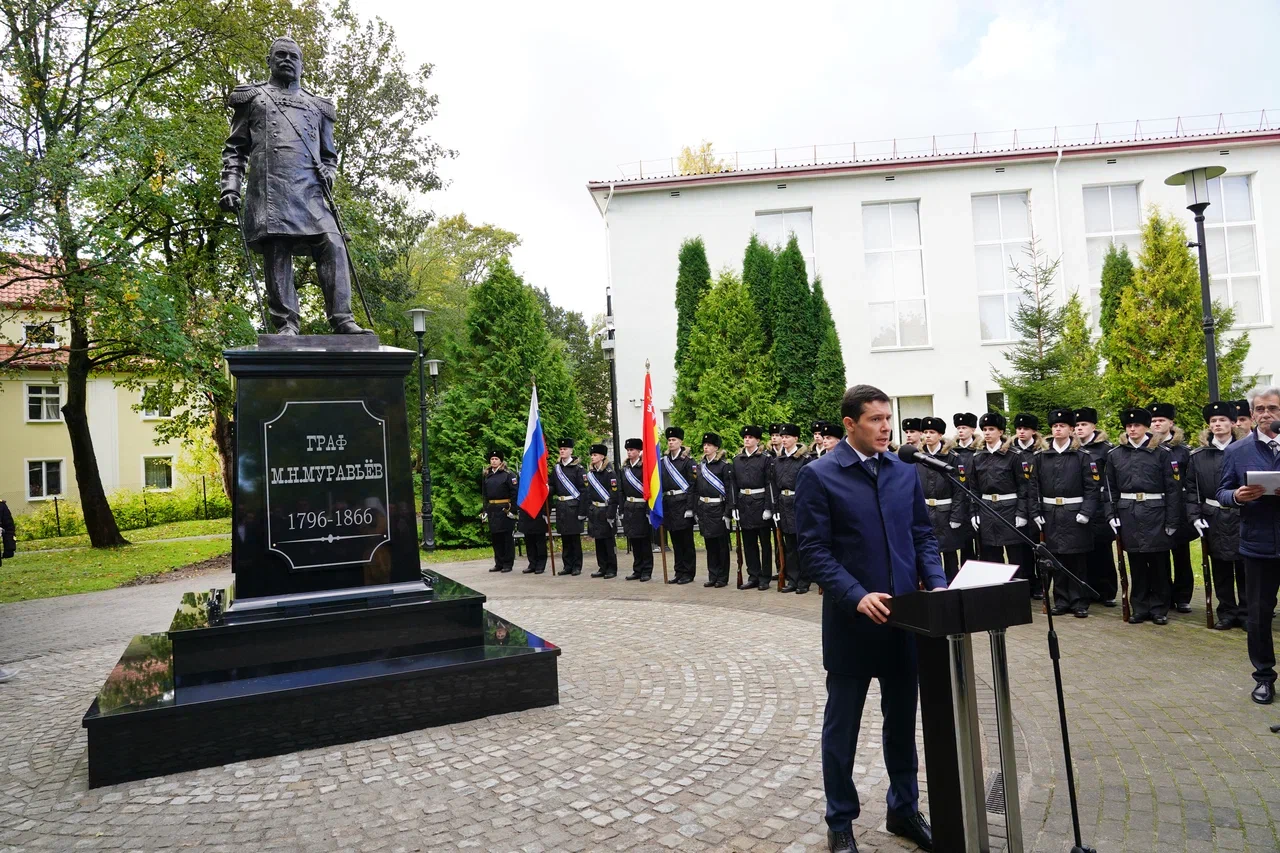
x=995, y=794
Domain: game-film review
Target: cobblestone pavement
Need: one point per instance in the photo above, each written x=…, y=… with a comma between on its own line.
x=689, y=719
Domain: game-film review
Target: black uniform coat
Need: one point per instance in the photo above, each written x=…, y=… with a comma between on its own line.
x=601, y=509
x=564, y=482
x=500, y=485
x=284, y=195
x=782, y=479
x=635, y=514
x=938, y=488
x=1182, y=456
x=677, y=509
x=713, y=509
x=964, y=461
x=999, y=473
x=8, y=532
x=752, y=472
x=1098, y=447
x=1069, y=474
x=1144, y=470
x=1201, y=484
x=533, y=525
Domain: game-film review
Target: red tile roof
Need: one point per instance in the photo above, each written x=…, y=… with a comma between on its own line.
x=28, y=281
x=33, y=358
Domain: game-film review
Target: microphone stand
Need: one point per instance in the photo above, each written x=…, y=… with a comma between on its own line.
x=1044, y=559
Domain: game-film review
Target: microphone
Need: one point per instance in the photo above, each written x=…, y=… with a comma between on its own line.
x=910, y=453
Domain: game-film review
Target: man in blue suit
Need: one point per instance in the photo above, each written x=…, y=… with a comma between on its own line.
x=865, y=536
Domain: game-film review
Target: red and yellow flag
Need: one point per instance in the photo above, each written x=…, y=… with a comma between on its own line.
x=652, y=437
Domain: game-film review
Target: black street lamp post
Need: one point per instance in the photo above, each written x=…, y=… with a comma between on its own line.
x=1197, y=183
x=610, y=354
x=419, y=316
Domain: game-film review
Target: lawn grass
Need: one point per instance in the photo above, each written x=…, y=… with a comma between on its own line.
x=173, y=530
x=37, y=575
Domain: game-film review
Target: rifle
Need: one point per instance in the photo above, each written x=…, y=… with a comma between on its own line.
x=551, y=542
x=1208, y=590
x=1124, y=578
x=782, y=560
x=662, y=547
x=1044, y=587
x=737, y=535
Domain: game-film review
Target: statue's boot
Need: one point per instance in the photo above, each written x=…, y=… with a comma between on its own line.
x=350, y=327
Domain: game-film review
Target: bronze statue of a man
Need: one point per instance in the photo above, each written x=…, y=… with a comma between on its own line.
x=284, y=135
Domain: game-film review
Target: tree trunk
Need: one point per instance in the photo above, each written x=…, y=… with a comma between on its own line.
x=224, y=437
x=99, y=521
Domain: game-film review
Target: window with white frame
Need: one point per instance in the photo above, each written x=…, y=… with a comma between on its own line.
x=776, y=228
x=1230, y=232
x=159, y=413
x=39, y=335
x=157, y=472
x=997, y=401
x=44, y=402
x=911, y=407
x=1112, y=217
x=44, y=479
x=1001, y=235
x=894, y=270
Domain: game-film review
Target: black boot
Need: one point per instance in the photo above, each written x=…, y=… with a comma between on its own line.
x=788, y=586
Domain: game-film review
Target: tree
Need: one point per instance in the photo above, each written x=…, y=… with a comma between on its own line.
x=727, y=382
x=487, y=406
x=1081, y=379
x=1034, y=383
x=757, y=275
x=828, y=366
x=701, y=160
x=1117, y=276
x=1155, y=352
x=795, y=346
x=585, y=356
x=692, y=280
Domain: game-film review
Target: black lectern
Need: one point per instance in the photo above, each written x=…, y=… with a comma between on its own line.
x=943, y=621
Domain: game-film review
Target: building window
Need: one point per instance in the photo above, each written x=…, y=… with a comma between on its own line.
x=893, y=264
x=157, y=472
x=997, y=401
x=1112, y=216
x=39, y=335
x=1001, y=234
x=44, y=402
x=1235, y=277
x=156, y=414
x=44, y=479
x=911, y=407
x=776, y=229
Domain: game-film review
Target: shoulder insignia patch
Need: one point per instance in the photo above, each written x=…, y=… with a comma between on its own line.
x=242, y=94
x=1093, y=469
x=960, y=468
x=1176, y=474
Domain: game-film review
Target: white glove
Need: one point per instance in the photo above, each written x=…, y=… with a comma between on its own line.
x=1040, y=521
x=1020, y=521
x=1201, y=526
x=766, y=515
x=512, y=516
x=955, y=525
x=1170, y=531
x=735, y=515
x=975, y=521
x=1081, y=518
x=1115, y=524
x=688, y=513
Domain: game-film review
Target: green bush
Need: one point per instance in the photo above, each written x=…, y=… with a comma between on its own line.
x=132, y=509
x=43, y=522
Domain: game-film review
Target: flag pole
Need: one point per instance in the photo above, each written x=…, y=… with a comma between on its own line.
x=546, y=507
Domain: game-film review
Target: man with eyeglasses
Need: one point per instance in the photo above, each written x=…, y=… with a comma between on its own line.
x=1259, y=530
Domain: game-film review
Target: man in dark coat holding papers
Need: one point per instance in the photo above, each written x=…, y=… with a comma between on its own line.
x=865, y=536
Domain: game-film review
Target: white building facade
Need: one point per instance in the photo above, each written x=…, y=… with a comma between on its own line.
x=913, y=253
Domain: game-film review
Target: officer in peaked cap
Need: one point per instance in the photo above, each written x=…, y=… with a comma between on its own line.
x=753, y=508
x=714, y=490
x=1100, y=561
x=635, y=512
x=1171, y=436
x=678, y=473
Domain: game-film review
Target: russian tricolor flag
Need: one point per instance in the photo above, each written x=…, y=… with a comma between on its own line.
x=533, y=464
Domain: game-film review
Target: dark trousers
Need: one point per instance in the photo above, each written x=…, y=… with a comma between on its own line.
x=1010, y=554
x=950, y=564
x=686, y=558
x=1067, y=593
x=330, y=254
x=641, y=555
x=1025, y=556
x=846, y=695
x=967, y=551
x=1102, y=575
x=536, y=545
x=1228, y=589
x=1261, y=580
x=571, y=551
x=757, y=550
x=607, y=556
x=1184, y=581
x=504, y=551
x=1149, y=592
x=718, y=559
x=791, y=560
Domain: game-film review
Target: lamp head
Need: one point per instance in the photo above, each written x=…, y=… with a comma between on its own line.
x=419, y=317
x=1197, y=183
x=433, y=364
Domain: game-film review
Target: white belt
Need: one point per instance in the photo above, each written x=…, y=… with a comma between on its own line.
x=566, y=497
x=750, y=491
x=998, y=498
x=597, y=503
x=937, y=501
x=711, y=500
x=1141, y=496
x=635, y=500
x=788, y=492
x=1061, y=501
x=1212, y=502
x=674, y=492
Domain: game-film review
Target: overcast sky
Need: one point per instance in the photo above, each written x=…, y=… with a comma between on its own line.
x=539, y=98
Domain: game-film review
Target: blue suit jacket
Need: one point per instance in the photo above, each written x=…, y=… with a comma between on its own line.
x=859, y=535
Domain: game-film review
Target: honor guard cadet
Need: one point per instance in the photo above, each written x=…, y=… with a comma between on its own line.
x=1064, y=497
x=753, y=509
x=1101, y=561
x=1146, y=505
x=831, y=435
x=1218, y=526
x=635, y=512
x=534, y=528
x=1001, y=484
x=499, y=487
x=1244, y=418
x=816, y=447
x=948, y=504
x=1026, y=441
x=602, y=505
x=791, y=457
x=911, y=431
x=566, y=485
x=963, y=446
x=714, y=491
x=775, y=440
x=1171, y=436
x=8, y=532
x=677, y=473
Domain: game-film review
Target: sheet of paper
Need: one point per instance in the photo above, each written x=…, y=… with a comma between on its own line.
x=1269, y=480
x=978, y=573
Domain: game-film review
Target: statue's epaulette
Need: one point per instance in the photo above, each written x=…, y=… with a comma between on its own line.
x=243, y=94
x=326, y=106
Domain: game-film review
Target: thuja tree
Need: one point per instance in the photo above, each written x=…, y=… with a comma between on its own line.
x=757, y=275
x=1117, y=277
x=828, y=364
x=794, y=343
x=692, y=280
